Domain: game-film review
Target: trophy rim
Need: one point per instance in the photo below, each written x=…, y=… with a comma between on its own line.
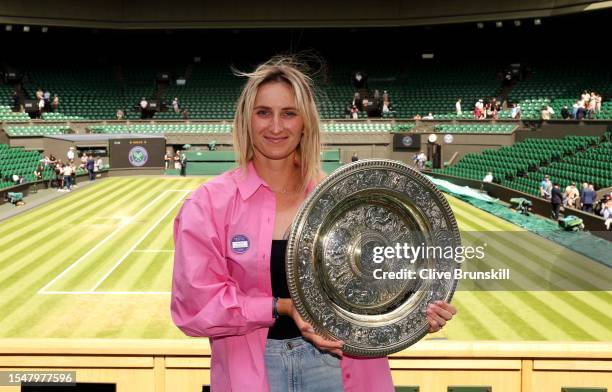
x=299, y=222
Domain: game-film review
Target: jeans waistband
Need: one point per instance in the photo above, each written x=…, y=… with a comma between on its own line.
x=286, y=345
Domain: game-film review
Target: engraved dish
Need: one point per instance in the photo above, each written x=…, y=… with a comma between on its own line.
x=334, y=256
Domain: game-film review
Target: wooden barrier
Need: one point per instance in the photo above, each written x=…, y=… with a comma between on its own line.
x=432, y=366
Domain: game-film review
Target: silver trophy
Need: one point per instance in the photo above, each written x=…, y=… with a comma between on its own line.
x=370, y=248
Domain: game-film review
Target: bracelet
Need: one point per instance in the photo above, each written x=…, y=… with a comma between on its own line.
x=275, y=313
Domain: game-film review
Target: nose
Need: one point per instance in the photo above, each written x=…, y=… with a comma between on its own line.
x=277, y=124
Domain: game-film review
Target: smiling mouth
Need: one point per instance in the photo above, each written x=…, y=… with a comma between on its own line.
x=276, y=139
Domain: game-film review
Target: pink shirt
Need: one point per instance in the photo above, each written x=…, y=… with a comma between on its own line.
x=221, y=286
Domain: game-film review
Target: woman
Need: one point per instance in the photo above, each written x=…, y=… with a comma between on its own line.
x=229, y=282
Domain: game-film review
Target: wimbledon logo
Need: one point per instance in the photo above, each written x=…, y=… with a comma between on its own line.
x=138, y=156
x=407, y=141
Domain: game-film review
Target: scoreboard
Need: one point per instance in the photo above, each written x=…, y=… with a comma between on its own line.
x=131, y=153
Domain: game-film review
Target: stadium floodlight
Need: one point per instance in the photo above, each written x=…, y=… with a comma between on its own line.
x=517, y=23
x=26, y=29
x=44, y=29
x=480, y=25
x=537, y=22
x=8, y=27
x=499, y=24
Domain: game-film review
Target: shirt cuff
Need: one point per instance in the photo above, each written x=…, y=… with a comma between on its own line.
x=259, y=310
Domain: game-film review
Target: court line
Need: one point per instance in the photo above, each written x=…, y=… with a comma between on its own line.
x=99, y=244
x=106, y=292
x=154, y=251
x=142, y=238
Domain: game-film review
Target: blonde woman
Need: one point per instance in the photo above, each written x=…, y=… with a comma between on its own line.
x=230, y=238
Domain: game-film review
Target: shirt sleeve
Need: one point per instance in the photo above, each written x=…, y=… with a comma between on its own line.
x=206, y=301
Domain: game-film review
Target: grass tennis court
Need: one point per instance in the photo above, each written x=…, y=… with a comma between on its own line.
x=98, y=263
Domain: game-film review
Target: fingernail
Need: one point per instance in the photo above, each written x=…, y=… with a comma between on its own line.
x=310, y=330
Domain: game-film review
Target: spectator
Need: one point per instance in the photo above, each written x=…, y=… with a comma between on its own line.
x=90, y=164
x=416, y=117
x=68, y=177
x=167, y=159
x=420, y=160
x=575, y=107
x=545, y=114
x=47, y=98
x=59, y=175
x=488, y=177
x=357, y=101
x=565, y=114
x=73, y=180
x=606, y=213
x=15, y=101
x=571, y=194
x=591, y=106
x=458, y=107
x=580, y=111
x=38, y=172
x=175, y=105
x=120, y=114
x=39, y=94
x=588, y=198
x=41, y=108
x=83, y=164
x=429, y=116
x=556, y=200
x=143, y=108
x=70, y=154
x=478, y=108
x=354, y=112
x=354, y=158
x=17, y=179
x=183, y=164
x=585, y=97
x=597, y=103
x=185, y=114
x=386, y=108
x=545, y=187
x=98, y=166
x=177, y=160
x=55, y=103
x=516, y=111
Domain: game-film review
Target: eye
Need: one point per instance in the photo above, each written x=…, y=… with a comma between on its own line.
x=262, y=112
x=290, y=114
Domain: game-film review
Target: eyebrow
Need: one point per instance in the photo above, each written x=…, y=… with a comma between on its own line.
x=267, y=107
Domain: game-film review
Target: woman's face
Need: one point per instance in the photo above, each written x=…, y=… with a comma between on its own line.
x=276, y=123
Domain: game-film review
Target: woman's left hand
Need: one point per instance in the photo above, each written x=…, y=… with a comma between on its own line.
x=438, y=314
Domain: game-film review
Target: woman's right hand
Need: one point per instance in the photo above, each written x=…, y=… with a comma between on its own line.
x=285, y=307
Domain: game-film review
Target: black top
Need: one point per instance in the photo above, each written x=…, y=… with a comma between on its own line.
x=284, y=327
x=556, y=196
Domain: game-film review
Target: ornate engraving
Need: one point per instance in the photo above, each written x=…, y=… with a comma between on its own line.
x=333, y=257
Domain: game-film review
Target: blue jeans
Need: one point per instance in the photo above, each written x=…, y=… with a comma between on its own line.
x=295, y=365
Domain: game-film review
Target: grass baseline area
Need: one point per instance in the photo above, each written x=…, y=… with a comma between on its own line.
x=98, y=264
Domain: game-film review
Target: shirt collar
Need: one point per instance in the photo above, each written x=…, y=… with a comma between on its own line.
x=249, y=181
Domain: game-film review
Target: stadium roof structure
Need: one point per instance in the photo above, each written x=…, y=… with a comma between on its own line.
x=197, y=14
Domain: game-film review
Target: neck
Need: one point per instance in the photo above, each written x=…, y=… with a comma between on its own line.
x=282, y=175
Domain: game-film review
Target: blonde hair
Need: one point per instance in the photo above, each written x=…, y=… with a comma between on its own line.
x=286, y=70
